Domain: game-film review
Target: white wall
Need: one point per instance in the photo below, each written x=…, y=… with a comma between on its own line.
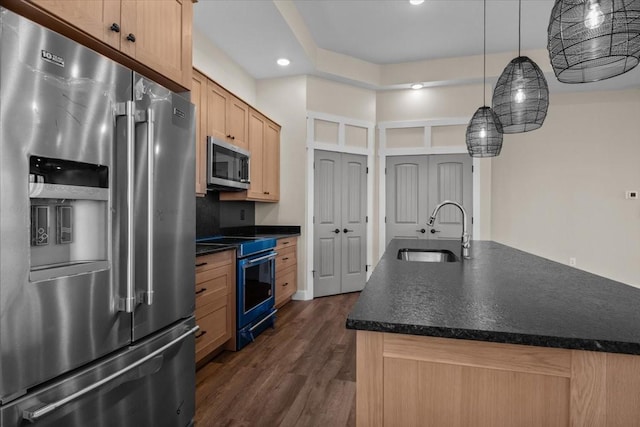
x=218, y=66
x=284, y=101
x=558, y=192
x=326, y=96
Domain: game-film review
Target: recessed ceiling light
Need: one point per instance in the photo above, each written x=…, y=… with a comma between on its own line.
x=417, y=86
x=416, y=2
x=283, y=62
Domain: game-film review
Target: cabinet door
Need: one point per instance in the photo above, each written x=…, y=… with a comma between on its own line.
x=217, y=111
x=93, y=17
x=163, y=36
x=271, y=161
x=238, y=122
x=199, y=98
x=256, y=147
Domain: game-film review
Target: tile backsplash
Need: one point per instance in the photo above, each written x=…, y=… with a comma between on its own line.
x=212, y=214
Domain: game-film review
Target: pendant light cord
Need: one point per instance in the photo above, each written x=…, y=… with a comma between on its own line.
x=484, y=53
x=519, y=24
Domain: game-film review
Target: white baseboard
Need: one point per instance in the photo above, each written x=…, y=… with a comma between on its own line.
x=305, y=295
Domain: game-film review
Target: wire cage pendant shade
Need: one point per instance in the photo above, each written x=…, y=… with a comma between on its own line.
x=592, y=40
x=521, y=96
x=484, y=133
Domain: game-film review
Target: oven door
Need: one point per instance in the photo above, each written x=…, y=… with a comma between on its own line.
x=256, y=287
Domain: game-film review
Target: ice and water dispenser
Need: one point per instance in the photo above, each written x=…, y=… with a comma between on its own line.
x=69, y=217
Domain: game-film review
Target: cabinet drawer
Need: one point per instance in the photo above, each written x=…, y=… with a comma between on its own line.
x=208, y=262
x=287, y=257
x=213, y=332
x=208, y=302
x=286, y=242
x=286, y=284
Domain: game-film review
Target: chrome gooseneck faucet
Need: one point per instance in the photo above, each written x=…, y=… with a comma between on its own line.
x=466, y=244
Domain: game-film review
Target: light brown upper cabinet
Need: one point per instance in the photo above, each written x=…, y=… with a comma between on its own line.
x=156, y=34
x=159, y=35
x=264, y=145
x=199, y=98
x=228, y=117
x=99, y=18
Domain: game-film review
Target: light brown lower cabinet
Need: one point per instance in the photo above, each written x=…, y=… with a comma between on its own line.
x=215, y=303
x=286, y=270
x=407, y=380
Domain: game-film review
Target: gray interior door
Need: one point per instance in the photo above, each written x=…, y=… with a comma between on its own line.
x=450, y=178
x=417, y=184
x=354, y=227
x=340, y=200
x=407, y=197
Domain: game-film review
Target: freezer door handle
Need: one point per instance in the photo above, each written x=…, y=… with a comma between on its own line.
x=33, y=415
x=147, y=296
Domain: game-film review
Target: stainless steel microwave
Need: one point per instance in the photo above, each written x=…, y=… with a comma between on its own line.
x=227, y=166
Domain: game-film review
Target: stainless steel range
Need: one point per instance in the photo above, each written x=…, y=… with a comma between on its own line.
x=96, y=245
x=255, y=290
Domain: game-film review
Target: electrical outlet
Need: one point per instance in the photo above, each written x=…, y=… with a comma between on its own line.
x=631, y=194
x=572, y=262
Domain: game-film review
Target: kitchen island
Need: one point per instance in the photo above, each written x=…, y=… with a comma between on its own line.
x=505, y=338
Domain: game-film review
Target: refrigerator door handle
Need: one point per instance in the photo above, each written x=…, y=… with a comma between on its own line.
x=33, y=415
x=127, y=304
x=147, y=296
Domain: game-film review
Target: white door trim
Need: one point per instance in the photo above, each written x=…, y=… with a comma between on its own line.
x=425, y=149
x=340, y=147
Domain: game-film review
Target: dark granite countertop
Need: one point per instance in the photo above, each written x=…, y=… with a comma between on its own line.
x=211, y=249
x=270, y=231
x=501, y=295
x=273, y=231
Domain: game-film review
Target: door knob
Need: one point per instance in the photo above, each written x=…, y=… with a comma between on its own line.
x=115, y=28
x=131, y=38
x=347, y=230
x=422, y=230
x=337, y=231
x=434, y=231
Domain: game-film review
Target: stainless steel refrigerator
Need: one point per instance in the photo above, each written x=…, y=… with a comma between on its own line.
x=96, y=239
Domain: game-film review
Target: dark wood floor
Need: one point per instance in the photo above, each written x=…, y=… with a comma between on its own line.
x=302, y=373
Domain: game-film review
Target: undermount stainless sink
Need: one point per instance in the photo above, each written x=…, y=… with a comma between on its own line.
x=427, y=255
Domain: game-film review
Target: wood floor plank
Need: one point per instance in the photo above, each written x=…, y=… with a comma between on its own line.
x=302, y=373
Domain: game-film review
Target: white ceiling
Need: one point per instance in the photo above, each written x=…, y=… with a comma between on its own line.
x=386, y=32
x=254, y=33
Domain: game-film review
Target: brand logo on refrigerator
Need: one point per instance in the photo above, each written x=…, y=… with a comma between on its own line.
x=54, y=59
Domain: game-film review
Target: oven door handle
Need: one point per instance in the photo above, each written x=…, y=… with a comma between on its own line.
x=263, y=258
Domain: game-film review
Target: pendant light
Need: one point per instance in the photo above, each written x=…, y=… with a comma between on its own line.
x=591, y=40
x=521, y=96
x=484, y=132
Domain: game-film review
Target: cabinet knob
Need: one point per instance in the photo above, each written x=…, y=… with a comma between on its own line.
x=115, y=28
x=346, y=230
x=131, y=38
x=201, y=291
x=337, y=231
x=266, y=192
x=200, y=334
x=231, y=137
